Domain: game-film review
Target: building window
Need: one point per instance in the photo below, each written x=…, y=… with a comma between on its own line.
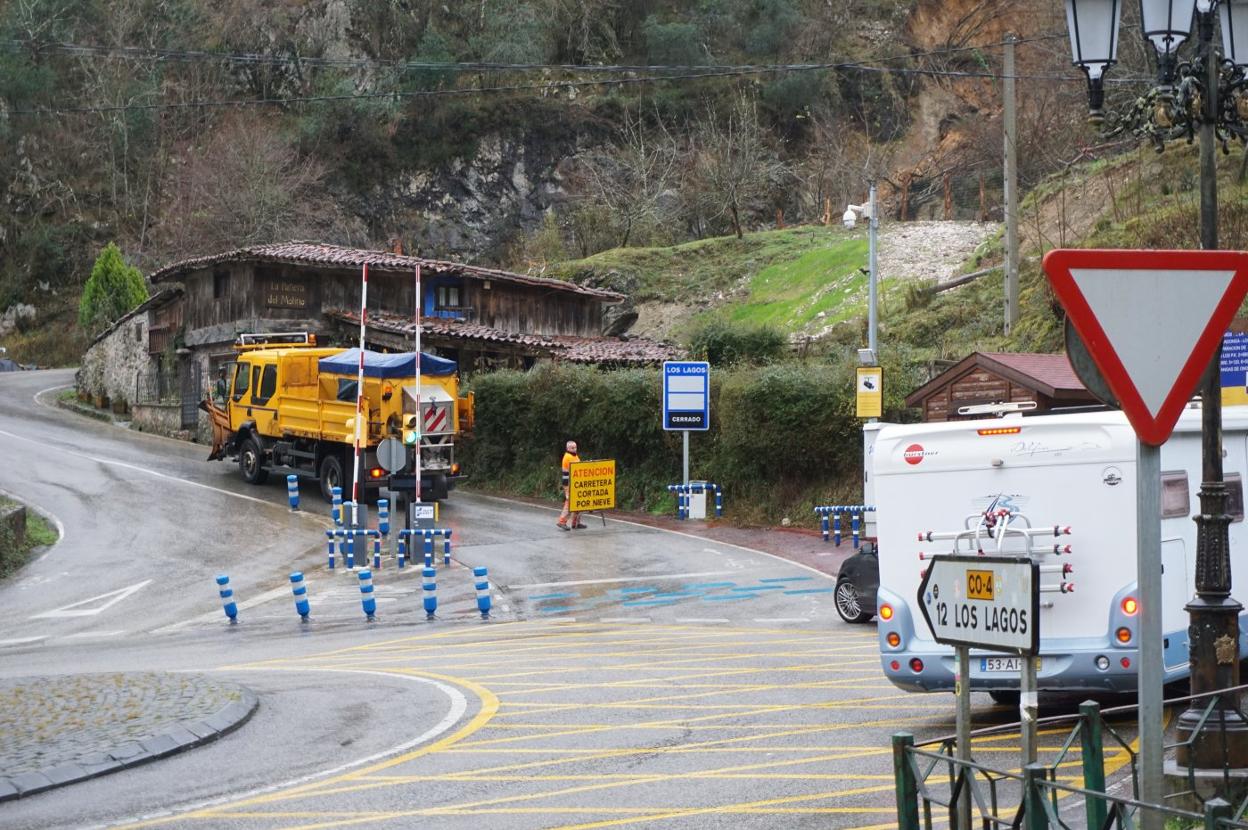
x=138, y=332
x=220, y=284
x=1176, y=500
x=448, y=298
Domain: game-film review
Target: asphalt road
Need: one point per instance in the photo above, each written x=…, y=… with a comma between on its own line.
x=628, y=675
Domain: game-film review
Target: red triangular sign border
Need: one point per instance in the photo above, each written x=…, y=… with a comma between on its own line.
x=1151, y=430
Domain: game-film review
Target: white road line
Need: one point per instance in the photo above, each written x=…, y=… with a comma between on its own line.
x=712, y=550
x=267, y=596
x=18, y=641
x=625, y=620
x=704, y=620
x=562, y=620
x=675, y=532
x=654, y=578
x=87, y=635
x=136, y=468
x=459, y=705
x=781, y=620
x=74, y=609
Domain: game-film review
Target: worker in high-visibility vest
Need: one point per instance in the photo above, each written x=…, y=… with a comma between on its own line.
x=565, y=477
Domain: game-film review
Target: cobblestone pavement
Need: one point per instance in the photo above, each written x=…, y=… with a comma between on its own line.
x=59, y=729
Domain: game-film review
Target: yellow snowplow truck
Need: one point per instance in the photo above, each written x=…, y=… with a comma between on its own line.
x=290, y=407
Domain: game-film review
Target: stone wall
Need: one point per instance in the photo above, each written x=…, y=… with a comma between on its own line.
x=12, y=533
x=158, y=418
x=110, y=366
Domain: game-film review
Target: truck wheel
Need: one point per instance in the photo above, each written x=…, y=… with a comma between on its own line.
x=331, y=475
x=848, y=605
x=251, y=462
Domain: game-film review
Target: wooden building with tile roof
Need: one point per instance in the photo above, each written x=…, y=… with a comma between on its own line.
x=1001, y=377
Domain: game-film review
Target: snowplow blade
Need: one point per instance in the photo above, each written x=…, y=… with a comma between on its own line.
x=221, y=433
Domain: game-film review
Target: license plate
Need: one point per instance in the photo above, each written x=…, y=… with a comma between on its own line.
x=1014, y=664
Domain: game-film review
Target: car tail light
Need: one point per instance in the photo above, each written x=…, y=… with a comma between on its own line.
x=916, y=665
x=376, y=472
x=1123, y=634
x=1130, y=606
x=454, y=469
x=895, y=666
x=894, y=639
x=886, y=612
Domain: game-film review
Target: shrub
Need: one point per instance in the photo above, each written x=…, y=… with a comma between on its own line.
x=113, y=289
x=723, y=344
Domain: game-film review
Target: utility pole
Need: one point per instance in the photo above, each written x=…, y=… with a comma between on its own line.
x=873, y=227
x=1010, y=119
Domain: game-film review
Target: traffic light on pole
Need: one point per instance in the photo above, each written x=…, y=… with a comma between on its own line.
x=411, y=432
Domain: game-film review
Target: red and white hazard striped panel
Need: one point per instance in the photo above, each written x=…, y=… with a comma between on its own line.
x=437, y=418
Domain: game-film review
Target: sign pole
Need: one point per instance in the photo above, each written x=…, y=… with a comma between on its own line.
x=420, y=418
x=1028, y=707
x=962, y=686
x=685, y=467
x=1148, y=566
x=361, y=411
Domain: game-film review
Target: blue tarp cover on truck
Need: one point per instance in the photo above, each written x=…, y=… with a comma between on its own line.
x=378, y=365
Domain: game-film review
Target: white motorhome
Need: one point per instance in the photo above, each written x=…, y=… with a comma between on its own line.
x=1051, y=471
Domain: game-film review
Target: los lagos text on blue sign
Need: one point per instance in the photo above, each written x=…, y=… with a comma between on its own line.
x=686, y=395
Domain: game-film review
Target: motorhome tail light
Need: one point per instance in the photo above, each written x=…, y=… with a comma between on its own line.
x=1102, y=662
x=916, y=665
x=455, y=469
x=1126, y=662
x=895, y=666
x=1000, y=431
x=886, y=612
x=1123, y=634
x=894, y=639
x=1130, y=606
x=376, y=472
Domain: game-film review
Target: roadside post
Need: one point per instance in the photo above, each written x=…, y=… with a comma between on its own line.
x=591, y=487
x=686, y=401
x=1151, y=352
x=990, y=603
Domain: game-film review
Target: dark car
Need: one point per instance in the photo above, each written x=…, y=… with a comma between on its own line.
x=856, y=585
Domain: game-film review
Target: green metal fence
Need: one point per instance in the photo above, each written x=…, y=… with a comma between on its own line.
x=930, y=780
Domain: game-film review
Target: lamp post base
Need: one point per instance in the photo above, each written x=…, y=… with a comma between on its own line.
x=1222, y=741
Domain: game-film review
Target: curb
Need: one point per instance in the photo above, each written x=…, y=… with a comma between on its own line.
x=182, y=736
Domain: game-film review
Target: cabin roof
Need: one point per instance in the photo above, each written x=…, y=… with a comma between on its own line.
x=320, y=255
x=1049, y=374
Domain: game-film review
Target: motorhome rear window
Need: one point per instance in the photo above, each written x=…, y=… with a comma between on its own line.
x=1234, y=496
x=1176, y=499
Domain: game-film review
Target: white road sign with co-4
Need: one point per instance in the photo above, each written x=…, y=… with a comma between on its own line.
x=988, y=602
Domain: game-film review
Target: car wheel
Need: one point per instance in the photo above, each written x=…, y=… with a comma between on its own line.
x=849, y=604
x=331, y=476
x=251, y=462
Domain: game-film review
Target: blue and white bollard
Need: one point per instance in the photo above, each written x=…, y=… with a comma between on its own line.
x=335, y=511
x=227, y=598
x=329, y=538
x=481, y=578
x=428, y=549
x=376, y=549
x=446, y=547
x=402, y=554
x=836, y=528
x=292, y=491
x=719, y=502
x=855, y=524
x=431, y=591
x=366, y=594
x=350, y=538
x=824, y=525
x=383, y=516
x=300, y=590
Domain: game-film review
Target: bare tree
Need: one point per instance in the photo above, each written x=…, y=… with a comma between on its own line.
x=631, y=178
x=732, y=165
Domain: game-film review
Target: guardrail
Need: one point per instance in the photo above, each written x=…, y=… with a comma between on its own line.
x=1040, y=796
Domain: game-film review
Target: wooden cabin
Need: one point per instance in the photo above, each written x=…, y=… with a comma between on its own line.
x=1000, y=377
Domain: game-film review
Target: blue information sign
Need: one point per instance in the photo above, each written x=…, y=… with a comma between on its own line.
x=1234, y=366
x=686, y=395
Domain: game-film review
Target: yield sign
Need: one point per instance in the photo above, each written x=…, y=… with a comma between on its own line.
x=1152, y=321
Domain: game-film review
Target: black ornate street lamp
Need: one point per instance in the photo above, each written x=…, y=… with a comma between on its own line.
x=1203, y=95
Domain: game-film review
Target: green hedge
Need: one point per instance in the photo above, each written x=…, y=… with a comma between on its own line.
x=782, y=437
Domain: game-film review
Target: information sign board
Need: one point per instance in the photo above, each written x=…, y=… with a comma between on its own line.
x=424, y=515
x=591, y=485
x=1234, y=368
x=870, y=397
x=686, y=395
x=988, y=602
